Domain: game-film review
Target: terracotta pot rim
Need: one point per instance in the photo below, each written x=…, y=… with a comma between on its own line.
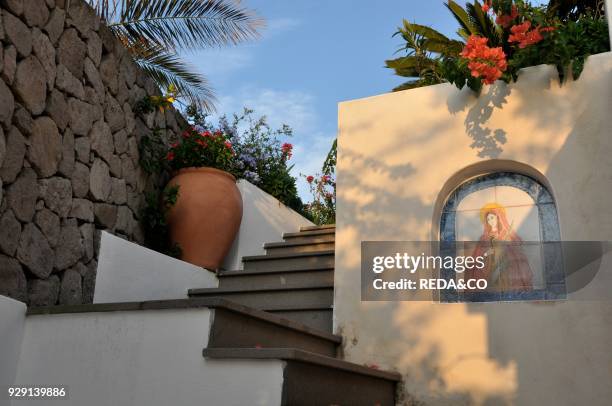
x=204, y=169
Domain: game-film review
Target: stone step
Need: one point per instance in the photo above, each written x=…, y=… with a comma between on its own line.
x=327, y=235
x=322, y=227
x=274, y=298
x=312, y=379
x=298, y=246
x=233, y=325
x=317, y=318
x=240, y=326
x=278, y=262
x=258, y=278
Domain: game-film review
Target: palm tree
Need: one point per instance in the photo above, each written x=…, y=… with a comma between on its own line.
x=425, y=47
x=154, y=31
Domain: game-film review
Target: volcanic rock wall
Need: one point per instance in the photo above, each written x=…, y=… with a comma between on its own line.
x=69, y=156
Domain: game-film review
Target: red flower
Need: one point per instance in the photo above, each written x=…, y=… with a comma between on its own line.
x=324, y=178
x=228, y=145
x=504, y=20
x=309, y=178
x=170, y=156
x=526, y=37
x=218, y=133
x=485, y=62
x=186, y=134
x=201, y=142
x=487, y=6
x=287, y=150
x=176, y=144
x=206, y=134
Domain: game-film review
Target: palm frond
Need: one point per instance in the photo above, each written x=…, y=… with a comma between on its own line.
x=170, y=72
x=483, y=23
x=424, y=31
x=462, y=17
x=446, y=48
x=184, y=24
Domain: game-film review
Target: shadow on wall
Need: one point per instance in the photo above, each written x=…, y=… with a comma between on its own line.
x=372, y=189
x=495, y=353
x=561, y=349
x=540, y=106
x=264, y=219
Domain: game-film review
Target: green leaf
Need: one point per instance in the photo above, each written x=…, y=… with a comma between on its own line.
x=168, y=70
x=186, y=24
x=462, y=17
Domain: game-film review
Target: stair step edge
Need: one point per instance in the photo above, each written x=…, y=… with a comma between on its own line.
x=223, y=274
x=248, y=289
x=322, y=227
x=292, y=354
x=193, y=303
x=310, y=233
x=287, y=256
x=284, y=244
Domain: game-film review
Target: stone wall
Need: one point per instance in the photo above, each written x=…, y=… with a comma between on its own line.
x=69, y=141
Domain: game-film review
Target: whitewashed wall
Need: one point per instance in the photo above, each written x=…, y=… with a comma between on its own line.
x=128, y=272
x=399, y=157
x=264, y=219
x=140, y=358
x=12, y=318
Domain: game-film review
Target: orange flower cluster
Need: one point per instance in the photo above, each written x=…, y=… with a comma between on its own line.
x=488, y=63
x=522, y=34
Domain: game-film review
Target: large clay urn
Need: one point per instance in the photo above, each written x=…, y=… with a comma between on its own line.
x=206, y=217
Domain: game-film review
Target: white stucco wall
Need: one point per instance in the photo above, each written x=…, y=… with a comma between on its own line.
x=128, y=272
x=399, y=156
x=264, y=219
x=139, y=358
x=12, y=319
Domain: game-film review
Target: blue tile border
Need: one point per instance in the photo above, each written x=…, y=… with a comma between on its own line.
x=549, y=231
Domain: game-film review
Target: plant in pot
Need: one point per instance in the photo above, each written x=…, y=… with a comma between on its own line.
x=206, y=216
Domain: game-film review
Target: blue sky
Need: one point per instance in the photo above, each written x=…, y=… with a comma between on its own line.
x=312, y=55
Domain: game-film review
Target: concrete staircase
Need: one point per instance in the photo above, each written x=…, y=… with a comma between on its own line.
x=294, y=279
x=274, y=319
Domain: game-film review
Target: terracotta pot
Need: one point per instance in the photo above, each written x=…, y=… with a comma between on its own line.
x=206, y=217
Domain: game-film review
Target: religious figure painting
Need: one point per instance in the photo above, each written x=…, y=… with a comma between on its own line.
x=507, y=267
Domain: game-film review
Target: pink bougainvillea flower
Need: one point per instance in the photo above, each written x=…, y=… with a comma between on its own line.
x=484, y=62
x=309, y=178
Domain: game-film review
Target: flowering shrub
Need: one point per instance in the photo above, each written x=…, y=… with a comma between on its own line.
x=485, y=62
x=322, y=209
x=259, y=155
x=500, y=37
x=201, y=148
